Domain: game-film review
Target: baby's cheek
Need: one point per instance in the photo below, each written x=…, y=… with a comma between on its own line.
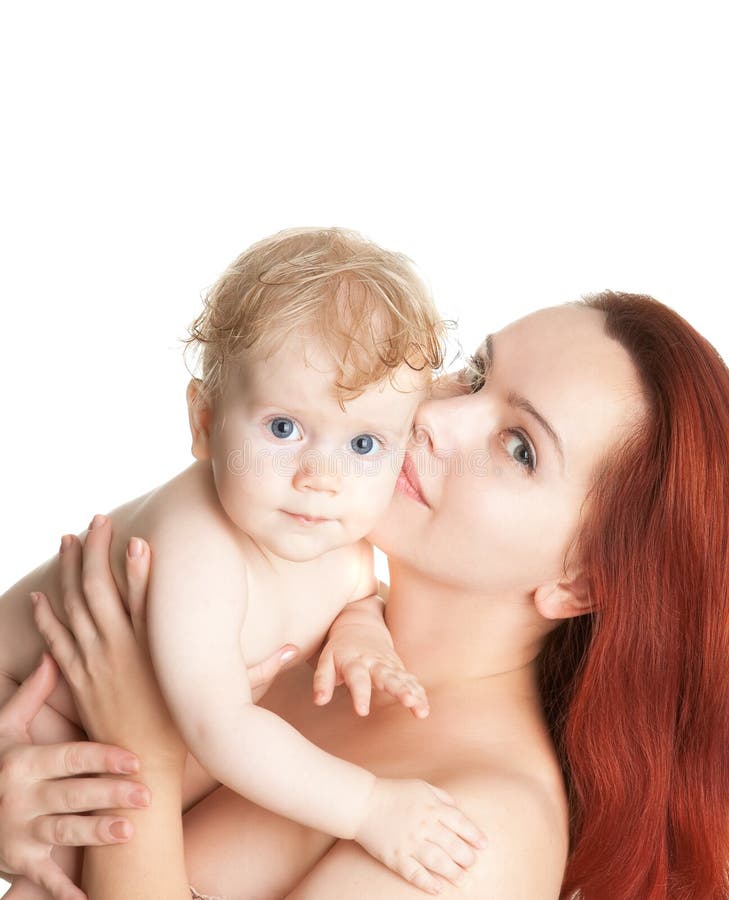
x=373, y=495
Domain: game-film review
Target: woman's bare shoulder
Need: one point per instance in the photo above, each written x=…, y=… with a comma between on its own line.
x=500, y=766
x=524, y=816
x=524, y=858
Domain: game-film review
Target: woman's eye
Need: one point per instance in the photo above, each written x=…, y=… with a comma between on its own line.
x=365, y=444
x=525, y=458
x=284, y=429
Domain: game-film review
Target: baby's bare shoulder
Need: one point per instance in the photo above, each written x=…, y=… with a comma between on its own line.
x=186, y=507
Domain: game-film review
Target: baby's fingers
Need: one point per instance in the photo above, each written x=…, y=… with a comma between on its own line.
x=324, y=679
x=457, y=849
x=403, y=686
x=359, y=681
x=452, y=818
x=413, y=871
x=438, y=862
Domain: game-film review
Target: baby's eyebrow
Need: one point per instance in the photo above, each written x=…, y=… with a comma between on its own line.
x=516, y=401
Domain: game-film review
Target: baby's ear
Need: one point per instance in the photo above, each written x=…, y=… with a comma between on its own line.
x=562, y=599
x=201, y=417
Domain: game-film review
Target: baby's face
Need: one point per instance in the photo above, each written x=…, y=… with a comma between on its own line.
x=293, y=470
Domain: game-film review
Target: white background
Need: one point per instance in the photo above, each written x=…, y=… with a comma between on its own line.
x=521, y=153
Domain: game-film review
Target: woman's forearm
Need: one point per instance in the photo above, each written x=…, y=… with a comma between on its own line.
x=151, y=865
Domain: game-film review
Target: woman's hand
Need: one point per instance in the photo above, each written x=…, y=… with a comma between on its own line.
x=103, y=653
x=104, y=656
x=42, y=791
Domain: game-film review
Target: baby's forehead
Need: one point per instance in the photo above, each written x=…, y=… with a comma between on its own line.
x=303, y=366
x=309, y=391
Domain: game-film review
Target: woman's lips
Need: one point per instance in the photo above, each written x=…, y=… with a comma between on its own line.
x=408, y=481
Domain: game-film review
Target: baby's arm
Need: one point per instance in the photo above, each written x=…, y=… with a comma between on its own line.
x=197, y=607
x=359, y=650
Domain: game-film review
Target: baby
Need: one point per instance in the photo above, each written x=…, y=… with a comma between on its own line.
x=317, y=347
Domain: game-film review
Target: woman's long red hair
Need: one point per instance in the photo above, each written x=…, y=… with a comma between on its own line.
x=637, y=692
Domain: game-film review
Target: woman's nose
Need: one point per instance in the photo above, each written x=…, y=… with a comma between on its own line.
x=451, y=424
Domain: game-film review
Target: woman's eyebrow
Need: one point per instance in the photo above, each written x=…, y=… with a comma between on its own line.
x=516, y=401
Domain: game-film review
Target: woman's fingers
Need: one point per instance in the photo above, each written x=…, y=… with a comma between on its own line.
x=267, y=670
x=74, y=602
x=20, y=710
x=52, y=877
x=86, y=794
x=99, y=588
x=81, y=831
x=137, y=562
x=60, y=641
x=48, y=761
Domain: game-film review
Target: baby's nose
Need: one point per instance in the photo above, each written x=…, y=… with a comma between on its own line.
x=318, y=472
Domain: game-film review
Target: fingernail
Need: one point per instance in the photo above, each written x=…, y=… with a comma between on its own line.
x=139, y=798
x=97, y=521
x=34, y=598
x=120, y=830
x=128, y=764
x=65, y=543
x=319, y=695
x=135, y=548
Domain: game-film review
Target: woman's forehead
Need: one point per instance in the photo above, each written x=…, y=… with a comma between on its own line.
x=561, y=343
x=556, y=326
x=580, y=379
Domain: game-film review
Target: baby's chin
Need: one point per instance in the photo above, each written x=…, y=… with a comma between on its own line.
x=309, y=545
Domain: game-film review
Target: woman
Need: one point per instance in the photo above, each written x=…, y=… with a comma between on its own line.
x=584, y=575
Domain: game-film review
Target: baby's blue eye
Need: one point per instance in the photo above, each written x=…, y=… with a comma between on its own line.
x=365, y=444
x=284, y=429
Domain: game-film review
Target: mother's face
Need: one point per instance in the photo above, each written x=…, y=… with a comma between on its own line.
x=504, y=469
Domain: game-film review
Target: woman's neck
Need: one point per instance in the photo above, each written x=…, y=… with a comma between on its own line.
x=448, y=637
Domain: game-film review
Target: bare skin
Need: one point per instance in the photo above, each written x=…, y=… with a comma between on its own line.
x=478, y=578
x=462, y=751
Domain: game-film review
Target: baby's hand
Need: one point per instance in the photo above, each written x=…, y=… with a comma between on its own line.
x=416, y=829
x=361, y=655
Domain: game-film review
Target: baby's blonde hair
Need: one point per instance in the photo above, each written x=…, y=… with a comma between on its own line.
x=367, y=305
